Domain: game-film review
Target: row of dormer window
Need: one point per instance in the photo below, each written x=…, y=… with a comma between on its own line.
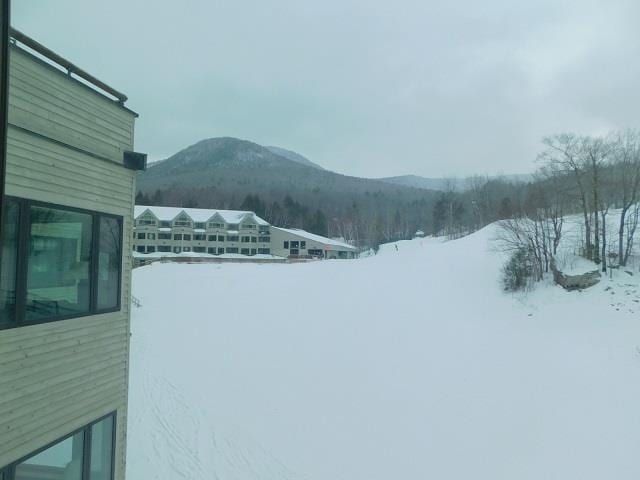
x=200, y=237
x=198, y=225
x=210, y=250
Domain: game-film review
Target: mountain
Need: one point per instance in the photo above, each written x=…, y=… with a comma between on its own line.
x=296, y=157
x=445, y=184
x=232, y=173
x=441, y=184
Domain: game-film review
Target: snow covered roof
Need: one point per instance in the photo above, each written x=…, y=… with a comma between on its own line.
x=316, y=238
x=199, y=214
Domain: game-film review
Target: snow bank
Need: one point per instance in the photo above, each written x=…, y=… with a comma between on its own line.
x=411, y=364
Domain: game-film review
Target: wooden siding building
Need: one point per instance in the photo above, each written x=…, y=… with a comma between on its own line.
x=65, y=276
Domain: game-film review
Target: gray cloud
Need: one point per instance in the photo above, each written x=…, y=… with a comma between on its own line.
x=369, y=88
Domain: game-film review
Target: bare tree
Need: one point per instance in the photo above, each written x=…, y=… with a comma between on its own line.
x=626, y=164
x=596, y=151
x=563, y=154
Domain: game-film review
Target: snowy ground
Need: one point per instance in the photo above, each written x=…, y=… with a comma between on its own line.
x=408, y=365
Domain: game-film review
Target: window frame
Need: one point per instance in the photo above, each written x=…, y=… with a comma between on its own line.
x=10, y=470
x=22, y=264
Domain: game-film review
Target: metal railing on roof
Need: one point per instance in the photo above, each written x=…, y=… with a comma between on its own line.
x=18, y=36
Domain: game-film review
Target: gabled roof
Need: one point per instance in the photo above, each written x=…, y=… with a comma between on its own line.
x=198, y=214
x=316, y=238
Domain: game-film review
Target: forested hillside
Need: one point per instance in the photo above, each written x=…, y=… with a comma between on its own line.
x=232, y=173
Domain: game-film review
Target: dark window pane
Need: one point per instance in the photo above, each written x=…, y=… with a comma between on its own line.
x=109, y=262
x=58, y=263
x=8, y=264
x=61, y=461
x=101, y=450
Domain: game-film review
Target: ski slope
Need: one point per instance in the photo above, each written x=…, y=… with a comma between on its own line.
x=411, y=364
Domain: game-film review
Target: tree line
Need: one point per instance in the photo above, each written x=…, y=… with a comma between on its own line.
x=585, y=175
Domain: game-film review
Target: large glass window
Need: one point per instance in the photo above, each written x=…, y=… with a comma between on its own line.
x=62, y=461
x=102, y=449
x=109, y=259
x=58, y=262
x=84, y=455
x=9, y=262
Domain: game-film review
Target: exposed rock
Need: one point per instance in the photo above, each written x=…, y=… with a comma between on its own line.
x=574, y=282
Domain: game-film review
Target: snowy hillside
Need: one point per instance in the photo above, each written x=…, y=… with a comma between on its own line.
x=408, y=365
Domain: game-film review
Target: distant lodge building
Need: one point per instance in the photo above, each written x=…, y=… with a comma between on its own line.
x=292, y=242
x=225, y=233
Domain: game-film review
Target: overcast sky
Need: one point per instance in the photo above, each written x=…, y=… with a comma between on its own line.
x=369, y=88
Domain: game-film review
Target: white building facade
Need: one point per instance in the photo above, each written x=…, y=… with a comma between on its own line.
x=194, y=230
x=295, y=243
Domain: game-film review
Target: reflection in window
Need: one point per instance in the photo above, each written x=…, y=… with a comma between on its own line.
x=101, y=449
x=58, y=262
x=8, y=265
x=63, y=461
x=109, y=263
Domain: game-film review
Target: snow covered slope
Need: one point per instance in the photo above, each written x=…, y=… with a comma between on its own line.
x=408, y=365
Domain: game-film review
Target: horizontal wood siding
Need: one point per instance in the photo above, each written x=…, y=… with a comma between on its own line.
x=57, y=377
x=48, y=102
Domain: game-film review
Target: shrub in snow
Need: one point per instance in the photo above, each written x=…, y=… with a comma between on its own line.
x=517, y=274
